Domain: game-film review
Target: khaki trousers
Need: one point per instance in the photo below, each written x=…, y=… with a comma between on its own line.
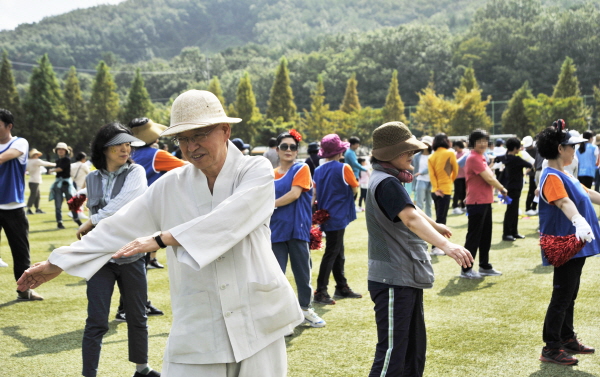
x=271, y=361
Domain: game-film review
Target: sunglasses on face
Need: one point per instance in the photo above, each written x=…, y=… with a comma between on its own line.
x=291, y=147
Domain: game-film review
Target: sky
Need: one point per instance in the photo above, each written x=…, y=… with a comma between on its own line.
x=16, y=12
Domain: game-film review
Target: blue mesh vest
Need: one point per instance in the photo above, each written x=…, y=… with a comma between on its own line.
x=334, y=195
x=12, y=173
x=554, y=222
x=294, y=220
x=145, y=156
x=587, y=161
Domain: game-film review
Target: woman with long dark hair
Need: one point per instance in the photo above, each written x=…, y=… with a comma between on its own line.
x=116, y=182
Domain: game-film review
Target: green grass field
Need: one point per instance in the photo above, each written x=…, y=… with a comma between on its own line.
x=490, y=327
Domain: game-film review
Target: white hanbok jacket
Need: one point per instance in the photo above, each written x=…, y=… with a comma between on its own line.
x=229, y=296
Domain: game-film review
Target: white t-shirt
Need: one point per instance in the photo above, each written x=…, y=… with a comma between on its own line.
x=422, y=167
x=22, y=146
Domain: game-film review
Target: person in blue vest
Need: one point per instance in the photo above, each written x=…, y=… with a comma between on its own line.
x=336, y=186
x=155, y=161
x=13, y=162
x=587, y=154
x=565, y=208
x=292, y=220
x=115, y=182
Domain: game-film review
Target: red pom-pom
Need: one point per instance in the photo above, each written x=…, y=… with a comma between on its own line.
x=316, y=236
x=296, y=135
x=559, y=249
x=75, y=202
x=320, y=216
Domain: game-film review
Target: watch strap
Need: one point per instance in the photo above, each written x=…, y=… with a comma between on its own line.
x=159, y=241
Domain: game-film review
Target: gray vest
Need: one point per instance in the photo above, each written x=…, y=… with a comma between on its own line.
x=397, y=256
x=93, y=182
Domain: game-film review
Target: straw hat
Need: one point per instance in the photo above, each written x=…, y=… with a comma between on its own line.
x=332, y=145
x=33, y=152
x=196, y=109
x=392, y=139
x=146, y=130
x=64, y=146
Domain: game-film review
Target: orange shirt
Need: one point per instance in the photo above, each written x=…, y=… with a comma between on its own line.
x=164, y=161
x=349, y=176
x=302, y=178
x=554, y=189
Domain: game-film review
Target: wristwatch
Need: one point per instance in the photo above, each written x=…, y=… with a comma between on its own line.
x=159, y=240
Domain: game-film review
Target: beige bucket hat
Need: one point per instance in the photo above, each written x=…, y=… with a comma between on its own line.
x=392, y=139
x=64, y=146
x=196, y=109
x=33, y=152
x=146, y=130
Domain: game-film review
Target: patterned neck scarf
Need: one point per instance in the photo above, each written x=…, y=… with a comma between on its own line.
x=403, y=176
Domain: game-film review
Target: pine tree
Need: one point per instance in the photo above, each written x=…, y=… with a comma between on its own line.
x=79, y=135
x=514, y=119
x=245, y=108
x=104, y=102
x=138, y=100
x=46, y=114
x=215, y=88
x=568, y=84
x=470, y=110
x=394, y=107
x=315, y=122
x=433, y=113
x=9, y=97
x=281, y=100
x=351, y=103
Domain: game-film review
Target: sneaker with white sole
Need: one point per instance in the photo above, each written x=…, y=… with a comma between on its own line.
x=489, y=272
x=470, y=274
x=457, y=211
x=312, y=318
x=437, y=251
x=531, y=212
x=3, y=263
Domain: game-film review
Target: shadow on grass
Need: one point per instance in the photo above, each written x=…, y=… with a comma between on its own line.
x=58, y=343
x=321, y=310
x=503, y=245
x=80, y=282
x=541, y=269
x=552, y=370
x=457, y=285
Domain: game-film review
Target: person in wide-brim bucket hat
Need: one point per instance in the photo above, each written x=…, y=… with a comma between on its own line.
x=392, y=139
x=331, y=145
x=146, y=130
x=64, y=146
x=34, y=152
x=196, y=109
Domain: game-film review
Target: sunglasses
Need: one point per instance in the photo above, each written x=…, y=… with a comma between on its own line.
x=285, y=147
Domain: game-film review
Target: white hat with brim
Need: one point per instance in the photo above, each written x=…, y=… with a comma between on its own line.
x=527, y=141
x=196, y=109
x=572, y=138
x=64, y=146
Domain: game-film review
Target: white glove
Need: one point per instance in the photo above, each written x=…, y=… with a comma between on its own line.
x=583, y=230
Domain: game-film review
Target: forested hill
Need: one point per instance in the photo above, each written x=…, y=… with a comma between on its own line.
x=139, y=30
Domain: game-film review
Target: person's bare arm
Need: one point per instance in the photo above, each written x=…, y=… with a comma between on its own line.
x=594, y=196
x=290, y=197
x=37, y=275
x=568, y=207
x=10, y=154
x=492, y=181
x=421, y=227
x=440, y=228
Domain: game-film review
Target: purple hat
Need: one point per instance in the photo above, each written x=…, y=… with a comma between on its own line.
x=332, y=145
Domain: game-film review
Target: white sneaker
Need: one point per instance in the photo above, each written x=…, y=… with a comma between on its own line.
x=83, y=215
x=312, y=318
x=3, y=263
x=437, y=251
x=489, y=272
x=471, y=274
x=457, y=211
x=531, y=212
x=520, y=212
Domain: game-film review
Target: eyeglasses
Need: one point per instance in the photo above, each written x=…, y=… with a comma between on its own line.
x=410, y=153
x=197, y=138
x=285, y=147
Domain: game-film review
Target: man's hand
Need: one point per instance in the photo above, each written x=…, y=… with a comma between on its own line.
x=137, y=246
x=37, y=275
x=461, y=255
x=443, y=230
x=84, y=229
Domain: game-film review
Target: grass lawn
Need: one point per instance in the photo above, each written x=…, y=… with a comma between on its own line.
x=489, y=327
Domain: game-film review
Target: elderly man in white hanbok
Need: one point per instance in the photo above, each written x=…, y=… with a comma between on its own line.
x=231, y=303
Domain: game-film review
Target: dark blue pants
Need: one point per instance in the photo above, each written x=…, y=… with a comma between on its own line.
x=558, y=324
x=58, y=200
x=442, y=204
x=16, y=226
x=132, y=278
x=299, y=256
x=401, y=333
x=333, y=260
x=479, y=233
